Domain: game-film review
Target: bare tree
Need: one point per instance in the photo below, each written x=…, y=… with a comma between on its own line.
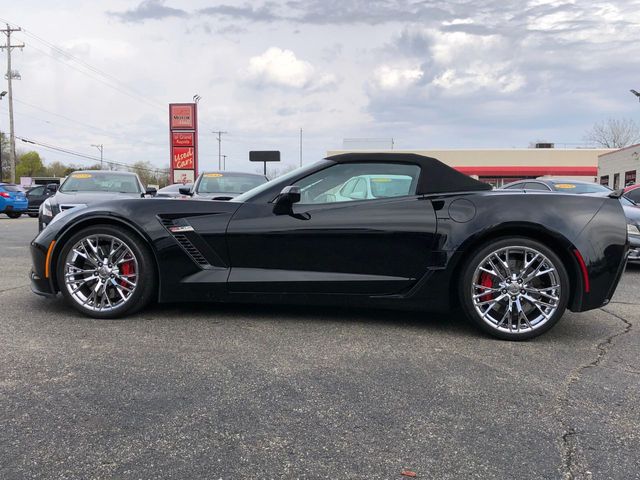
x=614, y=133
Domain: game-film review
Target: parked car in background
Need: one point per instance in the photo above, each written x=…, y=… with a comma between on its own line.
x=173, y=191
x=13, y=201
x=37, y=195
x=633, y=193
x=89, y=187
x=560, y=185
x=223, y=185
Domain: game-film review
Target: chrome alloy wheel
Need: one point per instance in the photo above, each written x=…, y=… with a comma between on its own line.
x=101, y=272
x=516, y=289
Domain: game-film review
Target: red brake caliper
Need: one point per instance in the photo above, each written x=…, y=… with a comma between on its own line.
x=486, y=281
x=126, y=269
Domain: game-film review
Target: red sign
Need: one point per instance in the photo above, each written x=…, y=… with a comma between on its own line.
x=183, y=124
x=183, y=158
x=180, y=139
x=182, y=116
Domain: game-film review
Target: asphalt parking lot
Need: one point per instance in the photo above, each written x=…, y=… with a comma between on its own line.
x=240, y=391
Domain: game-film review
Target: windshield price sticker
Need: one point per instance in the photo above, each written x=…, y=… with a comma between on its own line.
x=213, y=175
x=81, y=175
x=565, y=185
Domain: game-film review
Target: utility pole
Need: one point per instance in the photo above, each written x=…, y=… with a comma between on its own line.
x=101, y=148
x=12, y=138
x=2, y=94
x=300, y=147
x=224, y=162
x=219, y=133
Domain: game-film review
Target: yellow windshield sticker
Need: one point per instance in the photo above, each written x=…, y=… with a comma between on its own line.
x=213, y=175
x=565, y=185
x=381, y=180
x=81, y=175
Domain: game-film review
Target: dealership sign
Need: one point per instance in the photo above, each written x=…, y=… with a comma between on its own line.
x=183, y=125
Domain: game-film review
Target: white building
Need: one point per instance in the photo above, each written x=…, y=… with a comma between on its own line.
x=619, y=168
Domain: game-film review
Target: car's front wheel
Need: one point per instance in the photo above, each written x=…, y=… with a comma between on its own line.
x=514, y=288
x=106, y=272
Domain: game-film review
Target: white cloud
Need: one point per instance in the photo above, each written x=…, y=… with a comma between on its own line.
x=278, y=67
x=389, y=78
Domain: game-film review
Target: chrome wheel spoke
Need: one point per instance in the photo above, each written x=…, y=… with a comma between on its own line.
x=521, y=291
x=93, y=275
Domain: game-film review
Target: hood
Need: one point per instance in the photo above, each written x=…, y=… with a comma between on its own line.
x=89, y=198
x=215, y=196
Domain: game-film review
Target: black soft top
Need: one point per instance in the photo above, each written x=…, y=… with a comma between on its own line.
x=435, y=176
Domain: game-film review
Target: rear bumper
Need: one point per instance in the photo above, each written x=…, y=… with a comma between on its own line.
x=16, y=207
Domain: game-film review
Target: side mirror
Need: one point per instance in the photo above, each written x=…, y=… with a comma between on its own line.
x=284, y=203
x=151, y=191
x=51, y=189
x=185, y=190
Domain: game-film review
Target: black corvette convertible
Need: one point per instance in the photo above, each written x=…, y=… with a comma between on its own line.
x=387, y=230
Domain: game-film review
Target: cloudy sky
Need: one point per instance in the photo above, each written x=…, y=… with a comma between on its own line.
x=430, y=74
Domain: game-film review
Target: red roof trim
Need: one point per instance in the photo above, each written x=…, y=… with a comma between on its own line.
x=529, y=171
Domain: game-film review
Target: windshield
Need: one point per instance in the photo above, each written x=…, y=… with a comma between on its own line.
x=11, y=188
x=574, y=187
x=175, y=187
x=101, y=182
x=284, y=179
x=228, y=182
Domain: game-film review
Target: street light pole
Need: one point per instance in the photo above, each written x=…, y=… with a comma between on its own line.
x=101, y=148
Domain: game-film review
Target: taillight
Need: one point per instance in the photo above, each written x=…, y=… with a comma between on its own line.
x=5, y=195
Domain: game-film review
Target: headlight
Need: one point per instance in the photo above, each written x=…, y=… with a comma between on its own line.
x=632, y=229
x=45, y=208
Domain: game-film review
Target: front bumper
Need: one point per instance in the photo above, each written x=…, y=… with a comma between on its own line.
x=39, y=283
x=634, y=248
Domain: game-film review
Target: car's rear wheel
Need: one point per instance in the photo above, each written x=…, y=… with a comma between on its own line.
x=106, y=272
x=14, y=214
x=514, y=288
x=33, y=215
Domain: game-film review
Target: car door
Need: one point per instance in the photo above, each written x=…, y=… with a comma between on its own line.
x=36, y=196
x=329, y=243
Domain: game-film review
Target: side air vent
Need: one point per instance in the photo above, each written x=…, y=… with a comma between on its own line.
x=193, y=252
x=177, y=228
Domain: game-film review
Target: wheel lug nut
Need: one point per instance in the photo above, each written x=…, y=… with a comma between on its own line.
x=504, y=291
x=522, y=291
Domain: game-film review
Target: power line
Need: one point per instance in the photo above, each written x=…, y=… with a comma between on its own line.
x=93, y=127
x=84, y=155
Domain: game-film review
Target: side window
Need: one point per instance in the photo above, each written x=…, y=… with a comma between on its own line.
x=634, y=195
x=36, y=191
x=536, y=186
x=346, y=182
x=517, y=186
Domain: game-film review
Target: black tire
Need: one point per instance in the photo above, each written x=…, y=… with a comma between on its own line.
x=14, y=214
x=33, y=215
x=478, y=288
x=146, y=280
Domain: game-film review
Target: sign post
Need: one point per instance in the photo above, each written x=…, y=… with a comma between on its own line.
x=264, y=156
x=183, y=131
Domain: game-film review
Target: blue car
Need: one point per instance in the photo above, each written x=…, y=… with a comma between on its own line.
x=13, y=201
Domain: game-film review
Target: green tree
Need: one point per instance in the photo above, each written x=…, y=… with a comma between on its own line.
x=30, y=165
x=4, y=151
